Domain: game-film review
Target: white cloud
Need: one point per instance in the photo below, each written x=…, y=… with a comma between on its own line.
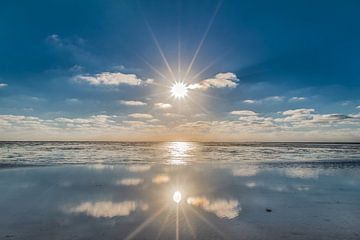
x=141, y=115
x=154, y=120
x=358, y=107
x=132, y=103
x=249, y=101
x=113, y=78
x=244, y=113
x=149, y=81
x=3, y=85
x=222, y=208
x=220, y=80
x=163, y=105
x=300, y=111
x=297, y=99
x=108, y=209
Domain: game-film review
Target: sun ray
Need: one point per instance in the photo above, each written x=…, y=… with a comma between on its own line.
x=208, y=223
x=146, y=223
x=160, y=50
x=177, y=222
x=179, y=59
x=193, y=77
x=203, y=38
x=204, y=94
x=192, y=232
x=155, y=70
x=162, y=227
x=179, y=40
x=201, y=107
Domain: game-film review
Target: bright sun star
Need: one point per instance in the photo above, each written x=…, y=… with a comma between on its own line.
x=179, y=90
x=177, y=197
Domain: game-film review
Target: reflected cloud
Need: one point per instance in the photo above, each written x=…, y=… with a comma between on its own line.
x=251, y=184
x=139, y=168
x=160, y=179
x=305, y=173
x=65, y=183
x=302, y=188
x=101, y=167
x=279, y=188
x=245, y=172
x=222, y=208
x=130, y=181
x=108, y=209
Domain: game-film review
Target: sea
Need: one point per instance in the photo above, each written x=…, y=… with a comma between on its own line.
x=179, y=190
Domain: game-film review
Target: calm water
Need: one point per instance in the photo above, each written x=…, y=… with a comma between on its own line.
x=55, y=153
x=228, y=191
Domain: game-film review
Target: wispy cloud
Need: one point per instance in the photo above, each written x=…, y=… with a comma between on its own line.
x=73, y=47
x=72, y=101
x=300, y=111
x=249, y=101
x=220, y=80
x=163, y=105
x=113, y=78
x=243, y=113
x=274, y=98
x=141, y=115
x=3, y=85
x=297, y=99
x=132, y=103
x=266, y=100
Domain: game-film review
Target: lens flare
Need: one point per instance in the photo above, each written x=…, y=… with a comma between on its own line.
x=177, y=197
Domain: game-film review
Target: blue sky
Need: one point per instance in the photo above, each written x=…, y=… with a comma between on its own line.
x=99, y=70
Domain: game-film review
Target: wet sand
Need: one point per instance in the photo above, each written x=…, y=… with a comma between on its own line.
x=219, y=201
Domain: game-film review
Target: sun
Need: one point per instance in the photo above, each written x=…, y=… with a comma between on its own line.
x=177, y=196
x=179, y=90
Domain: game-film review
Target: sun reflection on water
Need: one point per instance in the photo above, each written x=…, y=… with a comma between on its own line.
x=179, y=152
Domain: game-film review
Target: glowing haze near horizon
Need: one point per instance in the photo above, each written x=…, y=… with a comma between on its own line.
x=180, y=70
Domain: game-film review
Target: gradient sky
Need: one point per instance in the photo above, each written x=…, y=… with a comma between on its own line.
x=260, y=70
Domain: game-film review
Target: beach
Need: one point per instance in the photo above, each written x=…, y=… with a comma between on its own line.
x=57, y=190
